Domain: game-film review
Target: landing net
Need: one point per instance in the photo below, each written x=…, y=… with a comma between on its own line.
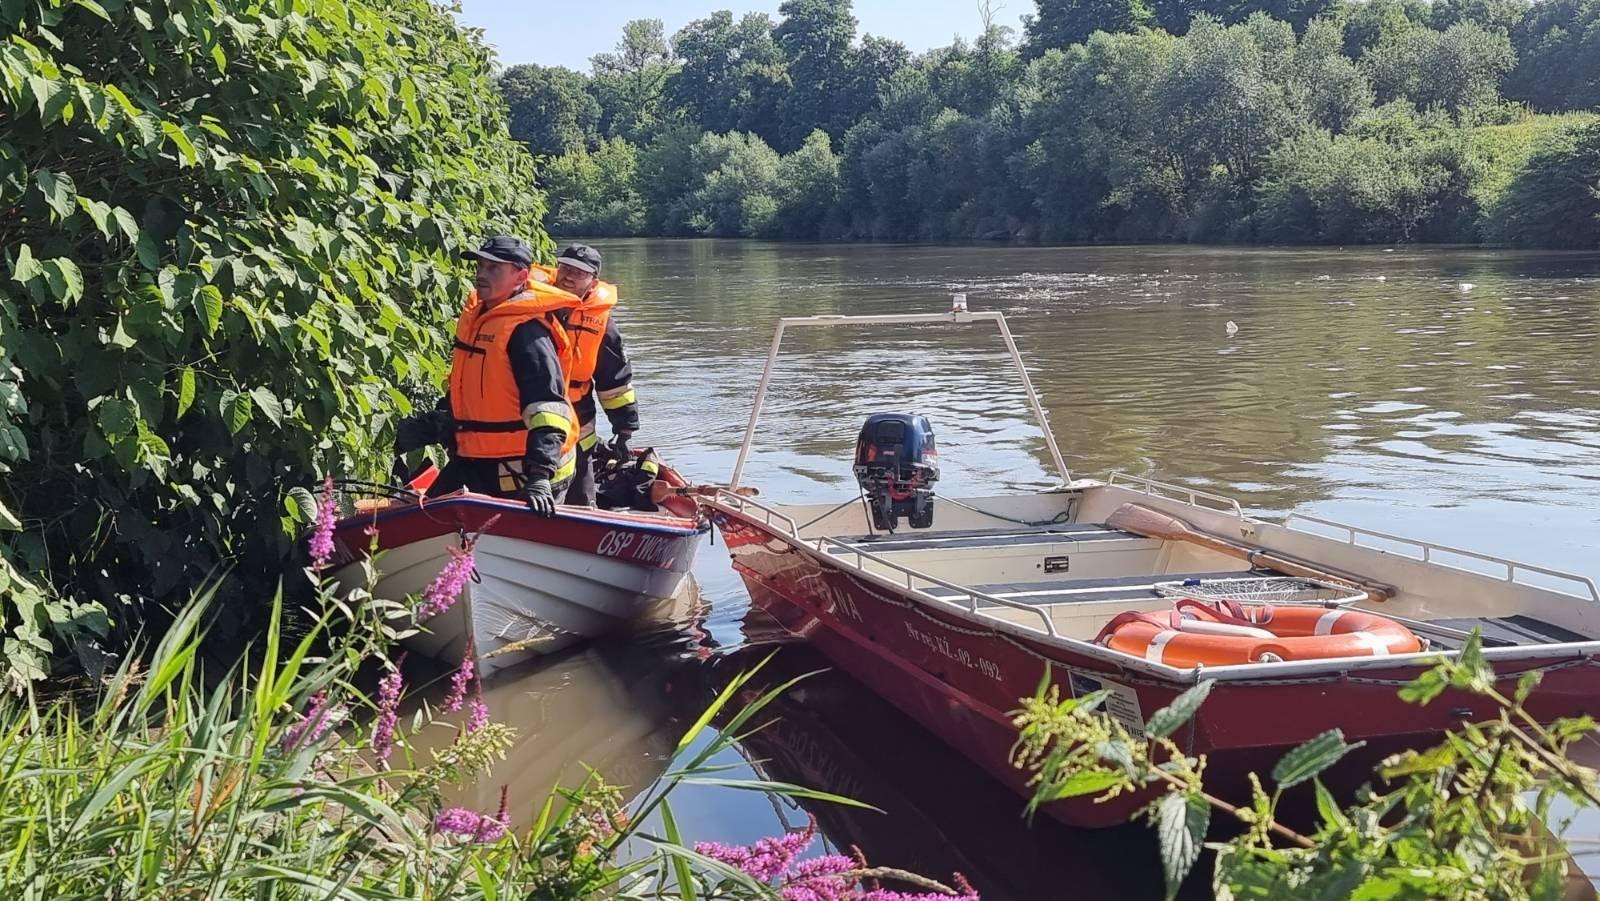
x=1263, y=590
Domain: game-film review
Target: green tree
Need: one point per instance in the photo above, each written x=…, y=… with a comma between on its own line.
x=1062, y=23
x=1327, y=87
x=1558, y=56
x=596, y=193
x=816, y=37
x=1493, y=15
x=1555, y=200
x=667, y=174
x=1368, y=23
x=1459, y=70
x=552, y=111
x=808, y=189
x=631, y=81
x=230, y=237
x=732, y=74
x=737, y=191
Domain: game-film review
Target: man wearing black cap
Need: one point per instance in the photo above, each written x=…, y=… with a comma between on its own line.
x=512, y=430
x=600, y=370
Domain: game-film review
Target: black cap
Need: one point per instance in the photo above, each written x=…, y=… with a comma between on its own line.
x=579, y=256
x=502, y=249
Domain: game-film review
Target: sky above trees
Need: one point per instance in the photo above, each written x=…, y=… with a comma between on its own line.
x=551, y=35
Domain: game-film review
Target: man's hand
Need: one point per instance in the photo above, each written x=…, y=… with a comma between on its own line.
x=619, y=446
x=539, y=497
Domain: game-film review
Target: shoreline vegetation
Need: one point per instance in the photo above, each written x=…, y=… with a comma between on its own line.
x=1117, y=121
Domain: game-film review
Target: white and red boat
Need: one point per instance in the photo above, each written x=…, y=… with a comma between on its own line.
x=538, y=585
x=957, y=621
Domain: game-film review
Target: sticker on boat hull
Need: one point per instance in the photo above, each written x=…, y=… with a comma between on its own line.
x=1121, y=702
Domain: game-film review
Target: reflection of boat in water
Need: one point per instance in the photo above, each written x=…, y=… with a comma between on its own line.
x=940, y=814
x=607, y=705
x=540, y=585
x=1141, y=590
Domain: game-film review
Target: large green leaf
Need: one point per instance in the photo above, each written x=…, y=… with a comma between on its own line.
x=60, y=194
x=1166, y=720
x=65, y=280
x=1181, y=822
x=1311, y=758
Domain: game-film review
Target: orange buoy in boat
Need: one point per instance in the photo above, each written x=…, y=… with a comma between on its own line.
x=1194, y=633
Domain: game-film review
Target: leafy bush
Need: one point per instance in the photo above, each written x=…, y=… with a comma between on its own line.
x=1463, y=819
x=1554, y=201
x=229, y=232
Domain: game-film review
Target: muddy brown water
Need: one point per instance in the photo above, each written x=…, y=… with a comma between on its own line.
x=1451, y=395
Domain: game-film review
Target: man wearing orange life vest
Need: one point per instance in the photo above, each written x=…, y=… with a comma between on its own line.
x=515, y=432
x=598, y=368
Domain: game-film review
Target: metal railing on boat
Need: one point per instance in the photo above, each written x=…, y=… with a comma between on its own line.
x=959, y=315
x=1424, y=552
x=912, y=576
x=1169, y=491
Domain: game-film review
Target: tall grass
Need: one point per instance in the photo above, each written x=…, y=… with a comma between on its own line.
x=167, y=781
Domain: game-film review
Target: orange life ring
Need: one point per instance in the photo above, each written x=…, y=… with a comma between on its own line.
x=1199, y=634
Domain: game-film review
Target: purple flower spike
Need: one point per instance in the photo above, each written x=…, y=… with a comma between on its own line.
x=447, y=586
x=469, y=824
x=388, y=711
x=479, y=717
x=315, y=724
x=458, y=683
x=321, y=543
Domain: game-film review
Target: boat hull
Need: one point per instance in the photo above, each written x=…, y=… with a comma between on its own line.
x=539, y=585
x=961, y=676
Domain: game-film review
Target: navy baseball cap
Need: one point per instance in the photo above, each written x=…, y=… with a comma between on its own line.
x=502, y=249
x=579, y=256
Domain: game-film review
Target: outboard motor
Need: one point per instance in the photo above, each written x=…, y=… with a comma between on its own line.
x=896, y=465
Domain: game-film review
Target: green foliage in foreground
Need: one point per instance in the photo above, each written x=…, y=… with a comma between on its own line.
x=228, y=232
x=165, y=783
x=1464, y=819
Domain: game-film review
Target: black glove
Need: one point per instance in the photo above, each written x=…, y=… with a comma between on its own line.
x=619, y=446
x=541, y=500
x=423, y=429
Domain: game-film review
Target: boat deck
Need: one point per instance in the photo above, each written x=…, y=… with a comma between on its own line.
x=1139, y=590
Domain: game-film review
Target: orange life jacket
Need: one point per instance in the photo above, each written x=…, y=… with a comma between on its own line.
x=490, y=420
x=586, y=327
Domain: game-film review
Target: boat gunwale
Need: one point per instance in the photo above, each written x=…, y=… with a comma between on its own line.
x=1293, y=670
x=642, y=521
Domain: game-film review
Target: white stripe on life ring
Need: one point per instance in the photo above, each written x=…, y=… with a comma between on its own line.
x=1326, y=621
x=1158, y=644
x=1379, y=647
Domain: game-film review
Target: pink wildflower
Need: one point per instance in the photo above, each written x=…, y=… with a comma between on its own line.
x=968, y=893
x=388, y=711
x=313, y=725
x=458, y=683
x=446, y=587
x=765, y=860
x=468, y=824
x=321, y=543
x=479, y=717
x=818, y=879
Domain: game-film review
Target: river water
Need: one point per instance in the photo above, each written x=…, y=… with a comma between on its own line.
x=1451, y=395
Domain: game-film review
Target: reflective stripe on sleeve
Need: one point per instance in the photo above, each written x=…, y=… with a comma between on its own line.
x=547, y=415
x=617, y=399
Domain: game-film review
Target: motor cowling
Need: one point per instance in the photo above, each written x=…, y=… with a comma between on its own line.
x=897, y=464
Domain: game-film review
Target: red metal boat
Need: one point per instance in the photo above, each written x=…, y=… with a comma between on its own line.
x=955, y=622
